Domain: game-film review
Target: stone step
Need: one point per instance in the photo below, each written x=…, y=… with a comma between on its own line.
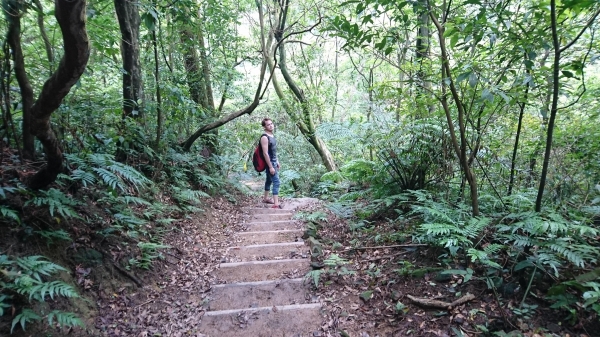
x=269, y=217
x=262, y=237
x=262, y=270
x=266, y=210
x=257, y=226
x=270, y=251
x=298, y=320
x=250, y=295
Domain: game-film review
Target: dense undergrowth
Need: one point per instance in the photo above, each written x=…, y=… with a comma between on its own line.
x=409, y=194
x=97, y=203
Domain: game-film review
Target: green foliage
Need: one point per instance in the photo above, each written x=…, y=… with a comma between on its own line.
x=51, y=235
x=359, y=170
x=56, y=201
x=332, y=177
x=333, y=265
x=10, y=214
x=317, y=216
x=554, y=237
x=148, y=253
x=25, y=276
x=102, y=167
x=188, y=195
x=453, y=229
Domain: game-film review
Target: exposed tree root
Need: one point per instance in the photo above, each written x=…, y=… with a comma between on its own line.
x=441, y=304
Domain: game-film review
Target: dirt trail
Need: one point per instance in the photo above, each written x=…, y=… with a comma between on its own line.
x=233, y=270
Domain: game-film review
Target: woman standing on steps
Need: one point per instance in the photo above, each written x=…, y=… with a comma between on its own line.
x=269, y=149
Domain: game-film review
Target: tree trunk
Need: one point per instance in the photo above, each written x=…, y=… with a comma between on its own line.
x=70, y=15
x=305, y=122
x=129, y=24
x=159, y=116
x=208, y=92
x=513, y=161
x=554, y=106
x=192, y=68
x=555, y=92
x=13, y=13
x=422, y=49
x=460, y=149
x=47, y=44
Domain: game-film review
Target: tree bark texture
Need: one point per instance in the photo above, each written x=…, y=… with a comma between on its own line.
x=14, y=11
x=192, y=68
x=206, y=73
x=71, y=16
x=47, y=44
x=129, y=24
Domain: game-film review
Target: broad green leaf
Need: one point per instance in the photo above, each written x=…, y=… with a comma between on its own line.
x=473, y=80
x=367, y=295
x=463, y=77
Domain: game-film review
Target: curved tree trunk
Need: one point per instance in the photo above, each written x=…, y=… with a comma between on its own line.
x=70, y=15
x=187, y=144
x=13, y=14
x=305, y=122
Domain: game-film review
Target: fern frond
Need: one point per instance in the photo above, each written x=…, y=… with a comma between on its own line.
x=134, y=177
x=352, y=196
x=521, y=241
x=438, y=229
x=493, y=249
x=127, y=199
x=57, y=201
x=40, y=291
x=129, y=220
x=7, y=189
x=564, y=249
x=314, y=276
x=11, y=214
x=36, y=265
x=110, y=179
x=189, y=195
x=64, y=319
x=26, y=316
x=430, y=213
x=483, y=257
x=74, y=159
x=475, y=226
x=335, y=260
x=4, y=304
x=83, y=176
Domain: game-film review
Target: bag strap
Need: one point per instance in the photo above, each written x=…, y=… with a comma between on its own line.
x=264, y=134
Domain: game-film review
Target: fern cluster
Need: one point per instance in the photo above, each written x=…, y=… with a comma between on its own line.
x=96, y=167
x=556, y=239
x=26, y=276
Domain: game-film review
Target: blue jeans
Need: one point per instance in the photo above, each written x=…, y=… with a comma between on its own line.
x=274, y=179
